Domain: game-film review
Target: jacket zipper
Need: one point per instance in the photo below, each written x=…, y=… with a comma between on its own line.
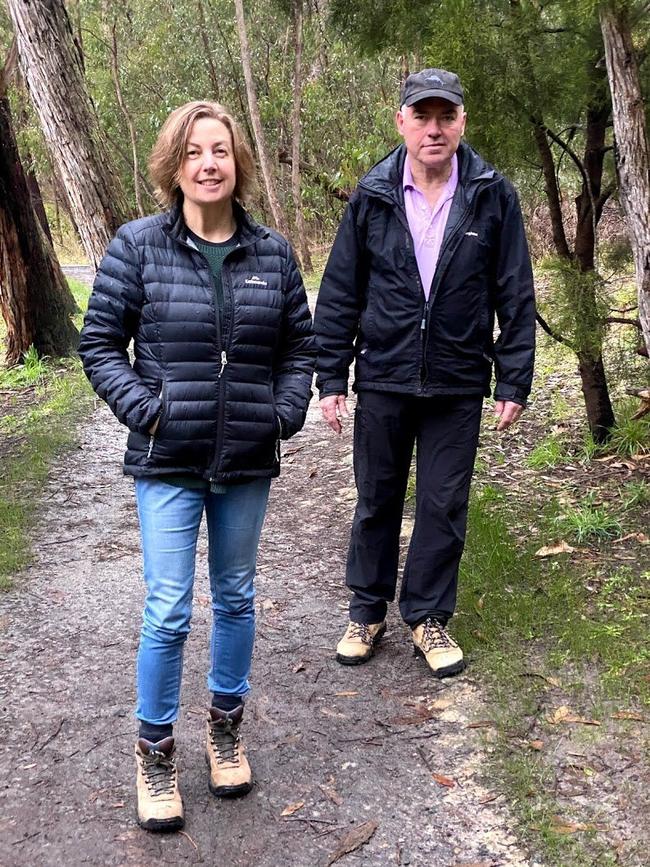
x=439, y=275
x=225, y=348
x=437, y=279
x=152, y=437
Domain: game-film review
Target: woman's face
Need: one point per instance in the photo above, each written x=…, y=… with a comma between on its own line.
x=208, y=172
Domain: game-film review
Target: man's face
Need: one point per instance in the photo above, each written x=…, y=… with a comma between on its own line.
x=431, y=129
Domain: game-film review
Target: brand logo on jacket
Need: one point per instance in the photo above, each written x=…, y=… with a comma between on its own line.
x=472, y=234
x=256, y=281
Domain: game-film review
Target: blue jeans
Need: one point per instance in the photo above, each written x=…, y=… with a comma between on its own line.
x=169, y=523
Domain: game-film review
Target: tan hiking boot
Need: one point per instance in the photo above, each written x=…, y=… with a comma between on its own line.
x=160, y=807
x=432, y=641
x=358, y=643
x=230, y=773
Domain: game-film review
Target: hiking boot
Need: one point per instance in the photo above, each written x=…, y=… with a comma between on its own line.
x=358, y=643
x=432, y=641
x=230, y=773
x=160, y=807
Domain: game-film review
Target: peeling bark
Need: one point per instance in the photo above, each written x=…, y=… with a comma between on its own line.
x=35, y=301
x=632, y=146
x=52, y=66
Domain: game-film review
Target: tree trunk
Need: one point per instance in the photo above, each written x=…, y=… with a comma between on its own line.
x=632, y=148
x=598, y=406
x=35, y=300
x=206, y=38
x=600, y=415
x=301, y=229
x=52, y=66
x=115, y=72
x=260, y=140
x=552, y=191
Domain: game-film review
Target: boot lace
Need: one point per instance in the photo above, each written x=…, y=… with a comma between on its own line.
x=435, y=636
x=159, y=773
x=360, y=631
x=224, y=740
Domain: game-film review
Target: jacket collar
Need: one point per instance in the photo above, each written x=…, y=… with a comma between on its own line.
x=385, y=177
x=249, y=229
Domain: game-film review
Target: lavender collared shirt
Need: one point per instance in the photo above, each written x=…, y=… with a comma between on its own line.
x=428, y=224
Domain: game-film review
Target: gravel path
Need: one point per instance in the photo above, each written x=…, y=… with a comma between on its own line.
x=342, y=747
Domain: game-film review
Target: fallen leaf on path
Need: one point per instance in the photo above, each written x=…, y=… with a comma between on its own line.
x=487, y=799
x=290, y=809
x=481, y=724
x=416, y=719
x=444, y=781
x=558, y=548
x=292, y=451
x=299, y=667
x=357, y=837
x=313, y=473
x=565, y=826
x=203, y=600
x=639, y=537
x=328, y=712
x=564, y=714
x=348, y=693
x=628, y=714
x=268, y=605
x=440, y=704
x=332, y=795
x=536, y=745
x=473, y=864
x=118, y=806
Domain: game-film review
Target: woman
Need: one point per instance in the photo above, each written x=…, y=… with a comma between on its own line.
x=223, y=359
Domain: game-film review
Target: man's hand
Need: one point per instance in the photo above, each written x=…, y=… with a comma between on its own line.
x=334, y=409
x=507, y=412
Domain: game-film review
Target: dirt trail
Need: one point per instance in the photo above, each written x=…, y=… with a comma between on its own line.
x=353, y=745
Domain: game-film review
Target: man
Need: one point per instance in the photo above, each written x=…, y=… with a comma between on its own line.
x=430, y=248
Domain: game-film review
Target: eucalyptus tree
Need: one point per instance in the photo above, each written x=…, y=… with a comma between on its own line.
x=52, y=65
x=35, y=301
x=617, y=21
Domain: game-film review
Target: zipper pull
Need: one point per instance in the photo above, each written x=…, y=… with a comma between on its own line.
x=224, y=361
x=425, y=315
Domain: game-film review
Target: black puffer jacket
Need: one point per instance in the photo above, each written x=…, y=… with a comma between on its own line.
x=225, y=395
x=371, y=306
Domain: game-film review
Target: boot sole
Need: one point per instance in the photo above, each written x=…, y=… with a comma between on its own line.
x=359, y=660
x=447, y=671
x=162, y=825
x=230, y=791
x=227, y=791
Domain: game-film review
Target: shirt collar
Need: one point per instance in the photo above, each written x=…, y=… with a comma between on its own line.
x=450, y=186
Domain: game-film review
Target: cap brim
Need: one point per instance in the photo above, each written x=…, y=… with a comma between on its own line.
x=429, y=94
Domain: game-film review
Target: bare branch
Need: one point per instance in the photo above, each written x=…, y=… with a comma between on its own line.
x=621, y=320
x=547, y=328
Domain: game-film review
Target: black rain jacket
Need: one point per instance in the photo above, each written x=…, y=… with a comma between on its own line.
x=224, y=393
x=371, y=306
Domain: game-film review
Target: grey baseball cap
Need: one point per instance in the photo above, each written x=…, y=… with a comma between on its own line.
x=432, y=82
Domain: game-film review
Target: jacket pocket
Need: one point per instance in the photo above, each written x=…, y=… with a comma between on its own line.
x=162, y=397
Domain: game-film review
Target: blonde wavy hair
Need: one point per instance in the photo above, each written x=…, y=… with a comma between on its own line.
x=168, y=152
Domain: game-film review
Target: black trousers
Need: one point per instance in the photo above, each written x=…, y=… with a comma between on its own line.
x=386, y=427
